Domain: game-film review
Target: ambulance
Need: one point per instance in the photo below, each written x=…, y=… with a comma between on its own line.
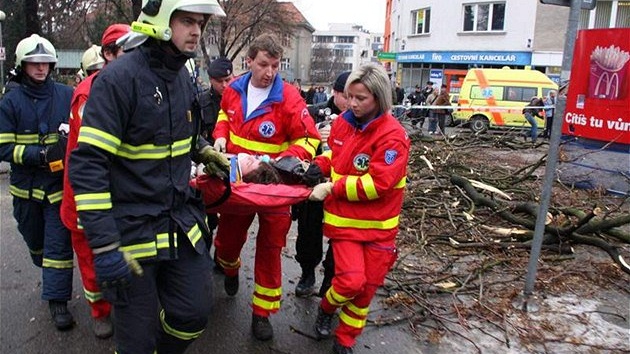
x=496, y=97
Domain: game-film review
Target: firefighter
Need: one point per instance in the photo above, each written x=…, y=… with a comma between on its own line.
x=130, y=174
x=367, y=162
x=33, y=125
x=264, y=116
x=93, y=60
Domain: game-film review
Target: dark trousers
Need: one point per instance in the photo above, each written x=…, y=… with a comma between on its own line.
x=183, y=289
x=49, y=244
x=309, y=243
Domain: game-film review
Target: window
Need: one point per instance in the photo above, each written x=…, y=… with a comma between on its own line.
x=345, y=39
x=623, y=14
x=606, y=14
x=484, y=17
x=286, y=40
x=324, y=39
x=523, y=94
x=285, y=64
x=421, y=21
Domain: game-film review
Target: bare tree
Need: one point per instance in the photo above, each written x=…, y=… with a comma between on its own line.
x=326, y=62
x=31, y=18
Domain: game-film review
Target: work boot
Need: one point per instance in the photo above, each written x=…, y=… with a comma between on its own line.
x=103, y=327
x=323, y=324
x=306, y=285
x=230, y=284
x=218, y=268
x=60, y=315
x=340, y=349
x=261, y=328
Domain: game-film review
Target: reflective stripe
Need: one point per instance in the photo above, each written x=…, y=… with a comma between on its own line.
x=334, y=176
x=175, y=333
x=26, y=139
x=55, y=197
x=38, y=194
x=194, y=235
x=154, y=152
x=18, y=151
x=402, y=183
x=265, y=304
x=359, y=311
x=93, y=201
x=141, y=250
x=48, y=139
x=368, y=186
x=335, y=299
x=163, y=241
x=351, y=188
x=53, y=263
x=351, y=321
x=258, y=146
x=229, y=265
x=20, y=193
x=222, y=116
x=37, y=252
x=7, y=138
x=310, y=147
x=99, y=139
x=92, y=296
x=267, y=291
x=327, y=154
x=340, y=221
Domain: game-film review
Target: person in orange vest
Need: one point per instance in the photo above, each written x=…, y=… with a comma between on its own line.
x=367, y=163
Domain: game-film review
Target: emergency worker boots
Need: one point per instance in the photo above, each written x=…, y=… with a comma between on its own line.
x=306, y=285
x=323, y=324
x=60, y=315
x=340, y=349
x=230, y=284
x=261, y=328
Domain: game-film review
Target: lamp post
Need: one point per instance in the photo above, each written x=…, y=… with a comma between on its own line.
x=2, y=17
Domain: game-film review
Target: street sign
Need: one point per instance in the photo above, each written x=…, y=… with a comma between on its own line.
x=386, y=56
x=3, y=57
x=585, y=4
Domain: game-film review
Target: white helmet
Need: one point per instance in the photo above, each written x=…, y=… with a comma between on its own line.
x=35, y=49
x=92, y=59
x=157, y=14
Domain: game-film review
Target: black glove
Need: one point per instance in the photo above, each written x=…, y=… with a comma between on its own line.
x=53, y=155
x=313, y=175
x=290, y=168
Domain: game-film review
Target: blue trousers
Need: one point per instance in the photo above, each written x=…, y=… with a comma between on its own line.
x=534, y=130
x=49, y=244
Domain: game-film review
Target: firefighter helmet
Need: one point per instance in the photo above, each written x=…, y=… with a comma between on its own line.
x=157, y=14
x=92, y=59
x=35, y=49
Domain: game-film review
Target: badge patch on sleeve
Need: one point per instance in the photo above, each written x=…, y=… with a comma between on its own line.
x=267, y=129
x=390, y=156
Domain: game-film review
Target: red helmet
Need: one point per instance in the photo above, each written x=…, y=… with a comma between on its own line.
x=113, y=32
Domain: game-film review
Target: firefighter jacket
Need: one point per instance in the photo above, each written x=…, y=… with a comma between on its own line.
x=68, y=207
x=210, y=105
x=30, y=116
x=130, y=172
x=280, y=126
x=367, y=164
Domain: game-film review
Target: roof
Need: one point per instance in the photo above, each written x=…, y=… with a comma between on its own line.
x=295, y=15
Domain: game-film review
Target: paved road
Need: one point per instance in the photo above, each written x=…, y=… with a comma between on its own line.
x=26, y=328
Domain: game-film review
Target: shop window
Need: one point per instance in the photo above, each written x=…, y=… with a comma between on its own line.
x=623, y=14
x=484, y=17
x=285, y=64
x=421, y=20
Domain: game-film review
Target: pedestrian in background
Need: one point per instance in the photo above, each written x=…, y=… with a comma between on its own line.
x=442, y=99
x=130, y=174
x=550, y=111
x=100, y=308
x=265, y=116
x=367, y=162
x=33, y=131
x=531, y=111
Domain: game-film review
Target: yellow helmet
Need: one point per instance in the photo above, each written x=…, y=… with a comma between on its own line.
x=35, y=49
x=154, y=20
x=92, y=59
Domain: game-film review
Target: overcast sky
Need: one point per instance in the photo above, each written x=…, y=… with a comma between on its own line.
x=368, y=13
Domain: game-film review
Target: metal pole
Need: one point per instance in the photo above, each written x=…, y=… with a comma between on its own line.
x=550, y=169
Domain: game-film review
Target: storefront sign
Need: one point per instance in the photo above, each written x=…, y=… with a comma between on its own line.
x=497, y=58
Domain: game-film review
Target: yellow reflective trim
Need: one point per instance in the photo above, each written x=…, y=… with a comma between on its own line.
x=309, y=146
x=53, y=263
x=327, y=154
x=141, y=250
x=18, y=151
x=181, y=147
x=99, y=139
x=368, y=186
x=351, y=188
x=335, y=299
x=334, y=176
x=229, y=265
x=258, y=146
x=38, y=194
x=222, y=116
x=7, y=138
x=267, y=291
x=27, y=139
x=154, y=152
x=163, y=240
x=359, y=311
x=49, y=139
x=264, y=304
x=93, y=201
x=340, y=221
x=351, y=321
x=92, y=296
x=402, y=183
x=194, y=235
x=20, y=193
x=55, y=197
x=37, y=252
x=175, y=333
